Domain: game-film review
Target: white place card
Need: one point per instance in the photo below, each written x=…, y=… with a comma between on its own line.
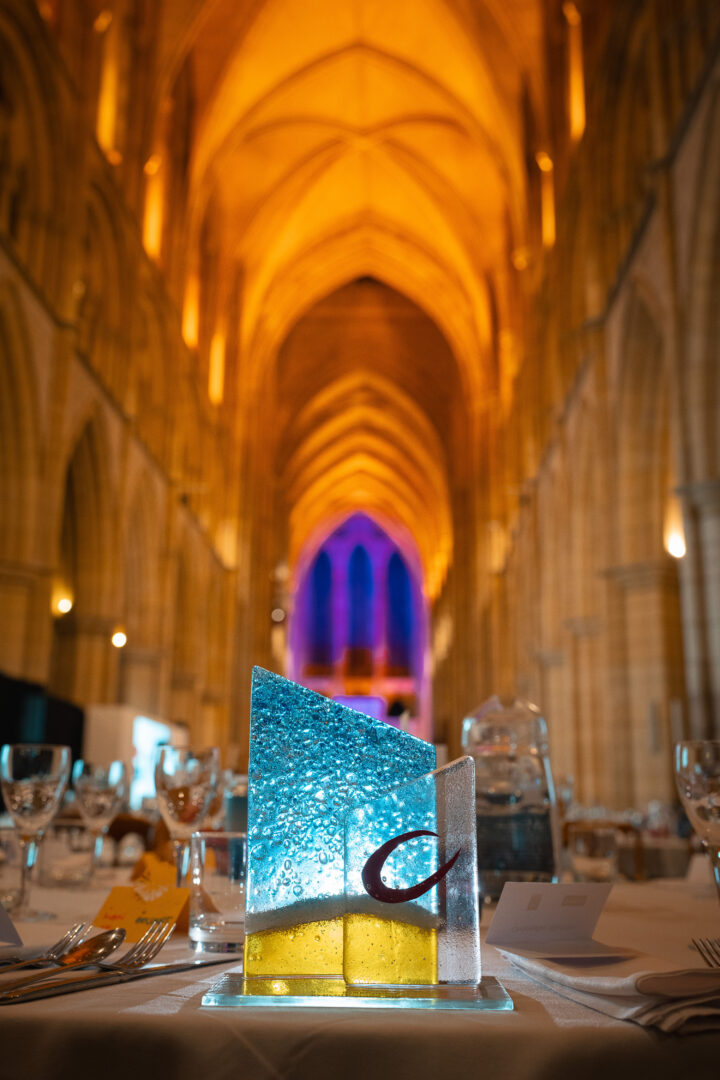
x=8, y=933
x=551, y=921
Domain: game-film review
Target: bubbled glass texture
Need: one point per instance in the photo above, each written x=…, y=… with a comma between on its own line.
x=311, y=760
x=442, y=802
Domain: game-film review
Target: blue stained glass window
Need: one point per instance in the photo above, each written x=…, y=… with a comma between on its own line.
x=399, y=615
x=320, y=649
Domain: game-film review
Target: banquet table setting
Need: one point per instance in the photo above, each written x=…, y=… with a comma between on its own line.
x=159, y=1026
x=321, y=943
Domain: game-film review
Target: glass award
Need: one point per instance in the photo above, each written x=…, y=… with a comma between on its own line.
x=362, y=874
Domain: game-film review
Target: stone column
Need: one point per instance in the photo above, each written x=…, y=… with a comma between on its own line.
x=654, y=672
x=589, y=724
x=85, y=662
x=700, y=579
x=556, y=706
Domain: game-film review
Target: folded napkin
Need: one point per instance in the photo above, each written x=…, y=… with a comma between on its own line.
x=643, y=988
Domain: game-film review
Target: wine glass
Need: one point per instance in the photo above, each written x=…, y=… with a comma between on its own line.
x=697, y=774
x=99, y=790
x=33, y=780
x=186, y=784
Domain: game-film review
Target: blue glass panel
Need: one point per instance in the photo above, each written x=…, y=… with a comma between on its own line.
x=311, y=760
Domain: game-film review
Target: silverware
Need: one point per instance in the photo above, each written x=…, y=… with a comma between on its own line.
x=84, y=954
x=93, y=980
x=709, y=949
x=74, y=936
x=144, y=950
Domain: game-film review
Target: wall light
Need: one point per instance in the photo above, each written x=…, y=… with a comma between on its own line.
x=675, y=544
x=64, y=605
x=673, y=528
x=119, y=639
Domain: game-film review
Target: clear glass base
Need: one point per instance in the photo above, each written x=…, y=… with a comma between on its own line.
x=304, y=991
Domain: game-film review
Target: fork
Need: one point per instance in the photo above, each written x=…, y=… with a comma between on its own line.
x=144, y=950
x=75, y=935
x=709, y=949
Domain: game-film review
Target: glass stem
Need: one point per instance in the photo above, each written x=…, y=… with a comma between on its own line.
x=28, y=855
x=714, y=856
x=97, y=850
x=180, y=850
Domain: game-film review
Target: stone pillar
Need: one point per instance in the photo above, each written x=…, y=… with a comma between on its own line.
x=556, y=706
x=589, y=723
x=139, y=681
x=654, y=672
x=700, y=580
x=85, y=662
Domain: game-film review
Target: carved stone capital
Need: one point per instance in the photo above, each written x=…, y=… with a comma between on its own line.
x=703, y=496
x=656, y=573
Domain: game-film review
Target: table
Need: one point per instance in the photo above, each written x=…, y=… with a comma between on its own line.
x=155, y=1029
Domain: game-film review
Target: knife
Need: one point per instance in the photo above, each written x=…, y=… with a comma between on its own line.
x=104, y=978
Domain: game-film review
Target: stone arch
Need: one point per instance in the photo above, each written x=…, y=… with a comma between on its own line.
x=19, y=433
x=102, y=302
x=31, y=136
x=150, y=375
x=702, y=372
x=82, y=666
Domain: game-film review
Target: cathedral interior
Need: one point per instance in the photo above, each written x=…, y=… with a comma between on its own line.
x=375, y=342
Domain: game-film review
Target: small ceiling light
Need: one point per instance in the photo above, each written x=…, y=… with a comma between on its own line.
x=102, y=21
x=520, y=258
x=64, y=605
x=277, y=615
x=119, y=639
x=544, y=161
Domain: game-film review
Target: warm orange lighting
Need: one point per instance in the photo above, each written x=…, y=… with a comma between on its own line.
x=544, y=161
x=152, y=165
x=108, y=98
x=673, y=529
x=191, y=306
x=119, y=639
x=520, y=258
x=61, y=599
x=576, y=74
x=153, y=219
x=216, y=380
x=547, y=197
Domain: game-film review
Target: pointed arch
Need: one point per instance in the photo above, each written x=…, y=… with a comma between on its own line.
x=19, y=432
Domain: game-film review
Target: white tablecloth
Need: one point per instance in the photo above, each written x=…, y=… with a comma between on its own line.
x=156, y=1028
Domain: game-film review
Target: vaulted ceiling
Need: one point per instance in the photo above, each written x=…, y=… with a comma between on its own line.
x=336, y=140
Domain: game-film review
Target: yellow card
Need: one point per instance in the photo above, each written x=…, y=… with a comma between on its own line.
x=135, y=906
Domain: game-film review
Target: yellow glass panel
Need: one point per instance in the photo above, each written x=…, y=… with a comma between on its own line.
x=387, y=951
x=313, y=948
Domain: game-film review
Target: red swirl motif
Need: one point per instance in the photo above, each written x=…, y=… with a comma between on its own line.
x=372, y=870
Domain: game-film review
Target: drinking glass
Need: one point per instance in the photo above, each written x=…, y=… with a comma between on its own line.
x=33, y=780
x=186, y=784
x=697, y=774
x=100, y=790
